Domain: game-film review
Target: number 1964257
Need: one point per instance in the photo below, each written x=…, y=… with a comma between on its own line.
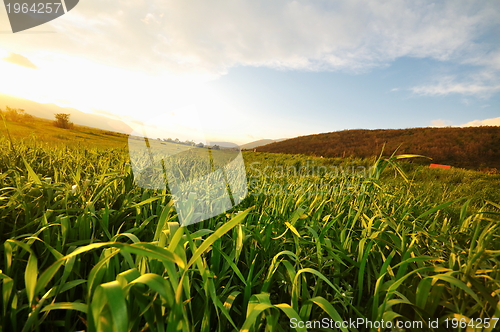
x=36, y=8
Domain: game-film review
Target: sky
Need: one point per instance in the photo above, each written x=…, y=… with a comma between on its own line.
x=246, y=70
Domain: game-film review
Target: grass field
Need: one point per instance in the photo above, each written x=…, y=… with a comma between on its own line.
x=43, y=131
x=84, y=248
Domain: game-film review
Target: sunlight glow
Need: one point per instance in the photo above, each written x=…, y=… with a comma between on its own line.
x=126, y=94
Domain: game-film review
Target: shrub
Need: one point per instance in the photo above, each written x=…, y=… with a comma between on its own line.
x=62, y=121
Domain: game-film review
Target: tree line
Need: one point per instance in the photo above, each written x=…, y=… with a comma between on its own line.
x=16, y=115
x=62, y=120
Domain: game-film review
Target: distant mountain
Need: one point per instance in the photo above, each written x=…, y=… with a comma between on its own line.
x=469, y=147
x=253, y=145
x=48, y=110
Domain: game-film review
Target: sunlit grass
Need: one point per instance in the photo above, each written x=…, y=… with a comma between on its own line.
x=86, y=249
x=43, y=132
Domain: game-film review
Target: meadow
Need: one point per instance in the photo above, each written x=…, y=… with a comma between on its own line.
x=84, y=248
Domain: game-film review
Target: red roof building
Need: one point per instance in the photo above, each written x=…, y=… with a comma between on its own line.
x=439, y=166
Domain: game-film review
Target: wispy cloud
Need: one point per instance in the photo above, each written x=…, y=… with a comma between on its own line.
x=20, y=60
x=211, y=37
x=474, y=123
x=482, y=83
x=440, y=123
x=441, y=89
x=486, y=122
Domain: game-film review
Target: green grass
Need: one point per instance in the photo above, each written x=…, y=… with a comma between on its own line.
x=86, y=249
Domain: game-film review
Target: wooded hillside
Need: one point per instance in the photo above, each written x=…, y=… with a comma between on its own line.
x=470, y=147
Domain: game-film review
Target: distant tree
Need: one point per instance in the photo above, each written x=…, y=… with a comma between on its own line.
x=17, y=115
x=28, y=118
x=62, y=121
x=200, y=145
x=215, y=147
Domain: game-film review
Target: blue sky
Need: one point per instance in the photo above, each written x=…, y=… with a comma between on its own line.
x=379, y=98
x=247, y=70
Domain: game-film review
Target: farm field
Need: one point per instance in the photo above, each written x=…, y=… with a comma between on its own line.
x=84, y=248
x=362, y=194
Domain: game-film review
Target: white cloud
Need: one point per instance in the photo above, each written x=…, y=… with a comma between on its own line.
x=211, y=37
x=456, y=87
x=474, y=123
x=483, y=84
x=486, y=122
x=440, y=123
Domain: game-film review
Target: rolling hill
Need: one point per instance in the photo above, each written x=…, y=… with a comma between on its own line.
x=42, y=131
x=470, y=147
x=261, y=142
x=47, y=111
